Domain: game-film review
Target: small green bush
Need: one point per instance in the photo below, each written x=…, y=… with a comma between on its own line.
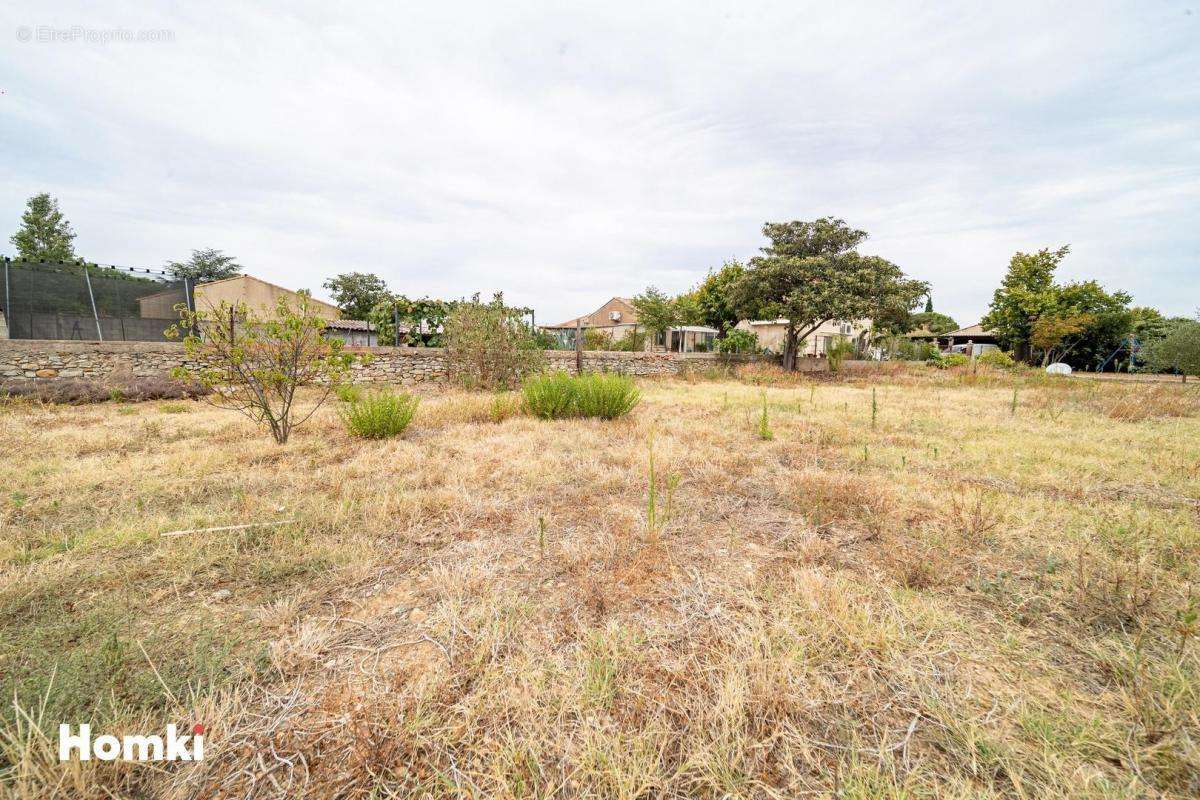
x=634, y=341
x=605, y=395
x=947, y=360
x=837, y=352
x=550, y=395
x=348, y=392
x=738, y=341
x=557, y=395
x=996, y=358
x=379, y=415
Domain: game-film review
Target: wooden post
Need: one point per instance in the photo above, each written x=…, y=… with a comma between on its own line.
x=578, y=347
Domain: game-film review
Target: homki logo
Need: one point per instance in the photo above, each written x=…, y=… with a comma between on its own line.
x=131, y=748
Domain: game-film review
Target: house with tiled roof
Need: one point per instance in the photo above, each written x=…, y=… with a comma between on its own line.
x=618, y=318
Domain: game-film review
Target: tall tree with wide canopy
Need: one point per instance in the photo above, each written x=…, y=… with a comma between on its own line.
x=1077, y=322
x=1179, y=350
x=1026, y=294
x=812, y=273
x=712, y=297
x=45, y=235
x=934, y=322
x=356, y=293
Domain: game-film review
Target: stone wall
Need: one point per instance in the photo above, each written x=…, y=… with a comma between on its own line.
x=22, y=358
x=628, y=363
x=37, y=358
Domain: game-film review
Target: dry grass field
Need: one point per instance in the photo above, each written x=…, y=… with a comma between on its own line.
x=965, y=593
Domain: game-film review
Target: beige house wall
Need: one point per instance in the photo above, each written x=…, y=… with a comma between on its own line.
x=601, y=320
x=602, y=317
x=772, y=333
x=259, y=296
x=617, y=332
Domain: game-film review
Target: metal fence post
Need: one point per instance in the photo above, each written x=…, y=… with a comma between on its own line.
x=95, y=314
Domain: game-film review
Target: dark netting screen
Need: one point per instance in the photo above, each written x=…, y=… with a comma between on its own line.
x=77, y=301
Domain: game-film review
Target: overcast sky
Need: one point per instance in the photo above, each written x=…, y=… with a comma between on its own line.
x=565, y=156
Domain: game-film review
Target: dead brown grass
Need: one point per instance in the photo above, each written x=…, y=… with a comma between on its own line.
x=1132, y=405
x=957, y=602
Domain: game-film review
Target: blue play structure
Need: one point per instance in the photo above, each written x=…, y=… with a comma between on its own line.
x=1131, y=346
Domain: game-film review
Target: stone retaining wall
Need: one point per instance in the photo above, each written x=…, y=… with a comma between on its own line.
x=36, y=358
x=21, y=358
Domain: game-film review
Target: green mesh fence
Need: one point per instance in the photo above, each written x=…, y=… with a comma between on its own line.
x=88, y=301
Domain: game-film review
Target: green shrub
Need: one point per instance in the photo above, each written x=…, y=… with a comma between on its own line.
x=557, y=395
x=996, y=358
x=634, y=341
x=838, y=351
x=596, y=339
x=605, y=395
x=379, y=415
x=947, y=360
x=490, y=345
x=550, y=395
x=738, y=341
x=349, y=393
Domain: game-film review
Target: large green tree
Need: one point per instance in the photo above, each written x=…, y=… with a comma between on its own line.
x=45, y=235
x=1077, y=322
x=713, y=298
x=1107, y=318
x=657, y=312
x=1026, y=294
x=1147, y=323
x=933, y=322
x=205, y=266
x=688, y=310
x=1178, y=351
x=356, y=293
x=811, y=273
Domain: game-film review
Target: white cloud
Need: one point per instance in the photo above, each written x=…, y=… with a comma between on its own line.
x=567, y=155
